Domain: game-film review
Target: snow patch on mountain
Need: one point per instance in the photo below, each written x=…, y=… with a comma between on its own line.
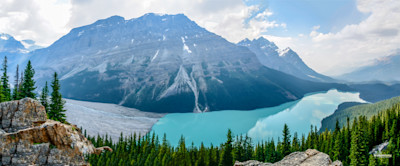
x=283, y=52
x=81, y=33
x=185, y=47
x=155, y=55
x=3, y=37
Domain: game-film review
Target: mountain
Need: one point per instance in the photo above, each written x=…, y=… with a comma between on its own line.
x=385, y=69
x=164, y=63
x=16, y=52
x=285, y=60
x=30, y=45
x=353, y=110
x=10, y=46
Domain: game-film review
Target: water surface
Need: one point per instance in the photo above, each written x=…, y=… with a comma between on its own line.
x=260, y=124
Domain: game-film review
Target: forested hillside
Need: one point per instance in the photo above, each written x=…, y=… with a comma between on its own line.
x=367, y=110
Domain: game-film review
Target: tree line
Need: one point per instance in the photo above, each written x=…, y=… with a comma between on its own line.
x=24, y=86
x=349, y=144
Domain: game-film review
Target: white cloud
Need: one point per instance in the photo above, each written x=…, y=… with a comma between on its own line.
x=223, y=17
x=47, y=20
x=40, y=20
x=357, y=44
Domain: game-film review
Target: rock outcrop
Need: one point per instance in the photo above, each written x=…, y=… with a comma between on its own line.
x=310, y=157
x=27, y=137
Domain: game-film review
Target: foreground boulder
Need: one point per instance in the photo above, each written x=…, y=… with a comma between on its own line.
x=308, y=158
x=28, y=138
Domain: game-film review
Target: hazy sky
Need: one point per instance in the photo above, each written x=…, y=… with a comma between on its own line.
x=332, y=36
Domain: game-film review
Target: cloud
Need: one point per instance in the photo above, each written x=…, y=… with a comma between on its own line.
x=47, y=20
x=354, y=45
x=40, y=20
x=231, y=19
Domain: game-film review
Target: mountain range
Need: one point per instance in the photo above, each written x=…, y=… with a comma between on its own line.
x=164, y=63
x=383, y=69
x=285, y=60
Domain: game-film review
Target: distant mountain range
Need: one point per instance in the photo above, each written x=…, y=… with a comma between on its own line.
x=166, y=63
x=10, y=46
x=15, y=50
x=386, y=69
x=285, y=60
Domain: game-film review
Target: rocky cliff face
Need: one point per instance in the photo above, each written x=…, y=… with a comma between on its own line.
x=27, y=137
x=307, y=158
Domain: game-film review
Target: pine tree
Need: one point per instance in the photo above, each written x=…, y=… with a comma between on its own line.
x=57, y=103
x=226, y=156
x=4, y=81
x=15, y=94
x=286, y=140
x=337, y=147
x=44, y=97
x=28, y=84
x=2, y=97
x=372, y=161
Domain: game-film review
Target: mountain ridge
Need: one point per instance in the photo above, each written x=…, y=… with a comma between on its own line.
x=284, y=60
x=384, y=69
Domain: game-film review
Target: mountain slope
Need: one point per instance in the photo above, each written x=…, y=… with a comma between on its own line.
x=164, y=63
x=353, y=110
x=385, y=69
x=285, y=60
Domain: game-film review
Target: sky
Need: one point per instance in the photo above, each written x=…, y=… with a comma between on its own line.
x=331, y=36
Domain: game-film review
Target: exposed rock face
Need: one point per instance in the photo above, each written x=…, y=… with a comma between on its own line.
x=27, y=138
x=308, y=158
x=22, y=114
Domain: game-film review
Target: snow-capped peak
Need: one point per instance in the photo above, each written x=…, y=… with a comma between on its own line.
x=4, y=36
x=283, y=52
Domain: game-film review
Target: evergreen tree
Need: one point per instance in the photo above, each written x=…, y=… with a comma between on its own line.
x=15, y=94
x=337, y=148
x=372, y=161
x=226, y=156
x=4, y=81
x=44, y=97
x=28, y=84
x=355, y=153
x=286, y=140
x=57, y=103
x=2, y=97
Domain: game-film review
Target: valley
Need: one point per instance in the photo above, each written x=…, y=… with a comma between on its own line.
x=109, y=119
x=171, y=89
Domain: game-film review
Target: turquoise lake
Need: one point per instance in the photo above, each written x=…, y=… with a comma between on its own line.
x=260, y=124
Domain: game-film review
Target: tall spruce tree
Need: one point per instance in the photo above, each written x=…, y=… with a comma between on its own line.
x=44, y=97
x=15, y=94
x=286, y=140
x=2, y=97
x=226, y=156
x=4, y=81
x=28, y=84
x=57, y=103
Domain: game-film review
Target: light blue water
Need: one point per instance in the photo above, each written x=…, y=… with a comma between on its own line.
x=260, y=124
